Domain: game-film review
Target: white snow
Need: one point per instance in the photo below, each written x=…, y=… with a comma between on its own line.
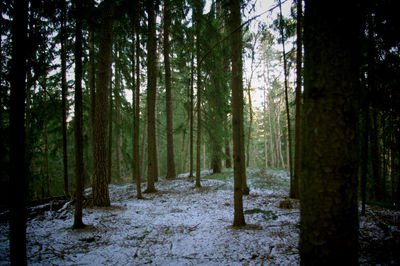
x=179, y=225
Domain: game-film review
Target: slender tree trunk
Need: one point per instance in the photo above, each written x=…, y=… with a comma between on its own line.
x=46, y=143
x=278, y=140
x=144, y=140
x=251, y=123
x=171, y=173
x=228, y=162
x=17, y=163
x=110, y=128
x=265, y=130
x=329, y=165
x=197, y=15
x=136, y=98
x=118, y=133
x=289, y=137
x=78, y=223
x=237, y=112
x=375, y=153
x=151, y=98
x=100, y=178
x=191, y=113
x=64, y=92
x=294, y=190
x=271, y=129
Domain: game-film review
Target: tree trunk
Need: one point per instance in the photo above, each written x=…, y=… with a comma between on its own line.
x=151, y=98
x=278, y=139
x=17, y=163
x=171, y=173
x=251, y=123
x=118, y=133
x=136, y=98
x=78, y=223
x=265, y=130
x=289, y=137
x=376, y=158
x=191, y=113
x=100, y=179
x=64, y=92
x=328, y=187
x=110, y=128
x=294, y=190
x=197, y=14
x=237, y=112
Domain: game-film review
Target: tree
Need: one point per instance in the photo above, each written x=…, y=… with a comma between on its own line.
x=17, y=165
x=171, y=174
x=78, y=223
x=328, y=180
x=289, y=138
x=136, y=97
x=237, y=112
x=197, y=14
x=64, y=92
x=151, y=97
x=100, y=180
x=294, y=188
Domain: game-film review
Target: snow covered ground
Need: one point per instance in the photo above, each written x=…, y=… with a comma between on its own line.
x=179, y=225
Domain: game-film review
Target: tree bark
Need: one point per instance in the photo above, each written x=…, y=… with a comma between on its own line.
x=136, y=98
x=64, y=92
x=294, y=189
x=191, y=113
x=197, y=14
x=100, y=179
x=17, y=163
x=171, y=173
x=237, y=112
x=328, y=180
x=289, y=137
x=110, y=128
x=78, y=223
x=151, y=98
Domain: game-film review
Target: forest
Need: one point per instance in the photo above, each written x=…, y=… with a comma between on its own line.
x=214, y=132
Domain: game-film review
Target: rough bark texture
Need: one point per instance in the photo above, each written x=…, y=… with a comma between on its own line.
x=64, y=92
x=294, y=188
x=17, y=165
x=237, y=113
x=151, y=98
x=136, y=98
x=100, y=179
x=78, y=223
x=328, y=181
x=171, y=173
x=191, y=114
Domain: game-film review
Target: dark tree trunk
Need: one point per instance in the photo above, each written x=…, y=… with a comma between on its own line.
x=17, y=163
x=78, y=223
x=328, y=181
x=237, y=112
x=136, y=98
x=294, y=188
x=64, y=92
x=100, y=180
x=171, y=173
x=151, y=98
x=289, y=137
x=110, y=128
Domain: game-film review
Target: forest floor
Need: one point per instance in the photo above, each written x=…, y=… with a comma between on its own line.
x=183, y=225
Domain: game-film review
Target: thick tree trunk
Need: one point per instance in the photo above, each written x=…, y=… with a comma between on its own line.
x=328, y=181
x=151, y=98
x=237, y=112
x=78, y=223
x=17, y=163
x=64, y=92
x=100, y=179
x=171, y=173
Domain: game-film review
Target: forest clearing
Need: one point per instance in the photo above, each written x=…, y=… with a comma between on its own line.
x=184, y=225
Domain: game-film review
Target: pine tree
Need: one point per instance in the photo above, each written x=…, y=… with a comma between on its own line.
x=100, y=179
x=328, y=187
